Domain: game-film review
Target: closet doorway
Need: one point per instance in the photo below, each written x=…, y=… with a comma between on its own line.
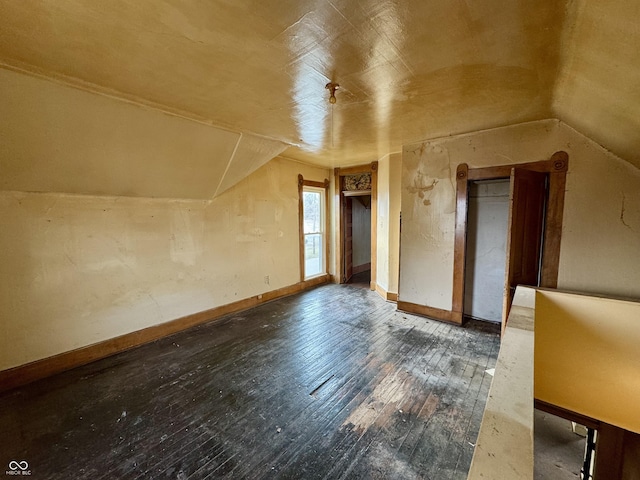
x=356, y=198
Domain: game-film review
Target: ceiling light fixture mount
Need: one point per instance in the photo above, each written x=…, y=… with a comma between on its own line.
x=332, y=87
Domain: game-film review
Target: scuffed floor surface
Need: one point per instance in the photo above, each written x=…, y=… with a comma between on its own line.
x=330, y=383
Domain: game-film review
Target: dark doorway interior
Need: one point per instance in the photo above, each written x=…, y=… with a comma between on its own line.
x=361, y=280
x=357, y=235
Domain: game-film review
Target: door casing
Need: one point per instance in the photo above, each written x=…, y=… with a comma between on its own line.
x=339, y=196
x=556, y=169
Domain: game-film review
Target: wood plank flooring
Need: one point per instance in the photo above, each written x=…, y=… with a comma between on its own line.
x=330, y=383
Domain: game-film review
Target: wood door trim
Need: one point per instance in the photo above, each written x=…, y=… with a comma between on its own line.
x=356, y=193
x=337, y=210
x=553, y=228
x=339, y=195
x=528, y=195
x=557, y=167
x=460, y=242
x=312, y=183
x=430, y=312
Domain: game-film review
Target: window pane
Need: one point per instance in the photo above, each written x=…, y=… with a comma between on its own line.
x=313, y=255
x=312, y=212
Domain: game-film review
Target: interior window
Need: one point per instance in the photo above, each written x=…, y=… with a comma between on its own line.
x=313, y=231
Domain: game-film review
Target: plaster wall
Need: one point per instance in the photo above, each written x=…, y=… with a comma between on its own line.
x=79, y=269
x=382, y=229
x=601, y=239
x=395, y=173
x=388, y=233
x=428, y=200
x=600, y=250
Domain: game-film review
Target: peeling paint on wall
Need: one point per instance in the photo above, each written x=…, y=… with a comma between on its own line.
x=421, y=188
x=600, y=246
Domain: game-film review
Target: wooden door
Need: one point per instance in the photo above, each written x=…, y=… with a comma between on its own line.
x=348, y=239
x=526, y=225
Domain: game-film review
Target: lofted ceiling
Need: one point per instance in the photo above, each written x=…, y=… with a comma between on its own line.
x=408, y=70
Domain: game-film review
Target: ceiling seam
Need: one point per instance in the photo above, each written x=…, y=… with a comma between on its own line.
x=233, y=154
x=93, y=88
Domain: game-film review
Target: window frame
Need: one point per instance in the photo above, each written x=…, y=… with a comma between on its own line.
x=320, y=187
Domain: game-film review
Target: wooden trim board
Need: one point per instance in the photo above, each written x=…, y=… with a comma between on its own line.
x=460, y=241
x=388, y=296
x=39, y=369
x=337, y=211
x=431, y=312
x=374, y=224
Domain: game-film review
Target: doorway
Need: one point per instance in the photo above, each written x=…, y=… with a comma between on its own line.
x=536, y=196
x=356, y=199
x=487, y=229
x=357, y=238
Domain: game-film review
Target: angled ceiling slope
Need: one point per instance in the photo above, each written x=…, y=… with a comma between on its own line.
x=60, y=139
x=598, y=87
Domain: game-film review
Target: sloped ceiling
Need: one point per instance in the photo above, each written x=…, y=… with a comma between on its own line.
x=598, y=88
x=408, y=70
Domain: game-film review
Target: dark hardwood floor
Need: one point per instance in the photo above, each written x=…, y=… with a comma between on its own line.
x=330, y=383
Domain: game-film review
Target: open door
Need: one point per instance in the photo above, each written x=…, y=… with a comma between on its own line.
x=526, y=226
x=348, y=239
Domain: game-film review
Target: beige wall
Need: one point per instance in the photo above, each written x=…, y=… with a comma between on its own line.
x=121, y=230
x=388, y=229
x=599, y=250
x=79, y=269
x=395, y=175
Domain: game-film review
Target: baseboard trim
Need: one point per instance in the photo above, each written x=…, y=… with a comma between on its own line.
x=362, y=268
x=389, y=297
x=431, y=312
x=46, y=367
